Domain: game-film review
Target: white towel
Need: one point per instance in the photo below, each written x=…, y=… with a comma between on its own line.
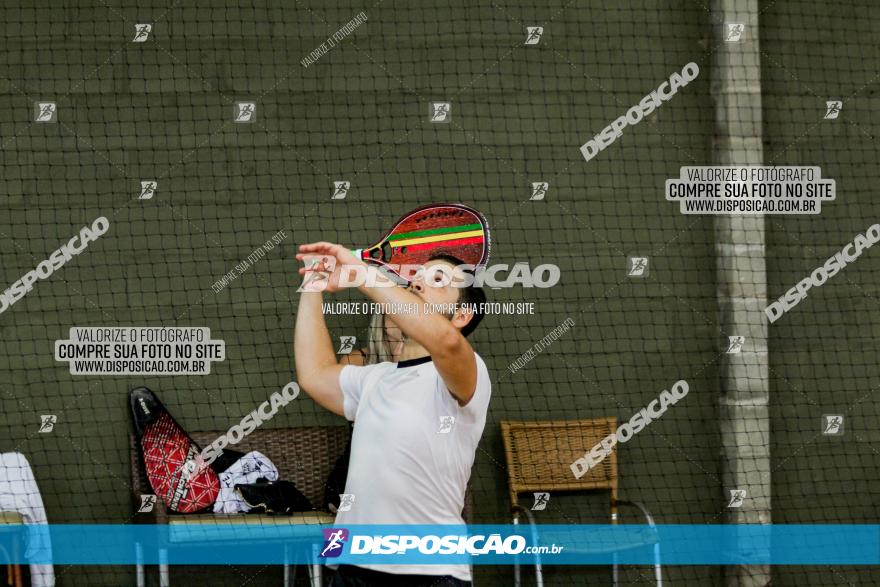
x=19, y=493
x=245, y=470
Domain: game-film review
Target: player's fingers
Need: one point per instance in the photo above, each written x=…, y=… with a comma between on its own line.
x=316, y=247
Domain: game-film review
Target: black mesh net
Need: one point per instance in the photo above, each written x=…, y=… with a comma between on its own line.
x=198, y=146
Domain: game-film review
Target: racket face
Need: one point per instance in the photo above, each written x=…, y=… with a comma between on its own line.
x=437, y=229
x=166, y=450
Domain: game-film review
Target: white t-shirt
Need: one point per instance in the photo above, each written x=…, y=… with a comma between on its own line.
x=412, y=449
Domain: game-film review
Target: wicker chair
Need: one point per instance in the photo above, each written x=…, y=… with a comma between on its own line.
x=304, y=456
x=539, y=457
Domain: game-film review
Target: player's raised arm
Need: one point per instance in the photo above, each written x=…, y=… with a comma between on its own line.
x=317, y=370
x=440, y=335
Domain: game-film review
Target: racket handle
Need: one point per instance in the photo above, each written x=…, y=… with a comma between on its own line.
x=359, y=253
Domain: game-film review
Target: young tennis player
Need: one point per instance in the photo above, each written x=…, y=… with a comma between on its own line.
x=417, y=421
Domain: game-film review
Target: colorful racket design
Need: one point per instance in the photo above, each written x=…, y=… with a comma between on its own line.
x=451, y=229
x=167, y=450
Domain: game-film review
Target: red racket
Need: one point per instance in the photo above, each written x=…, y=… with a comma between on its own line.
x=450, y=229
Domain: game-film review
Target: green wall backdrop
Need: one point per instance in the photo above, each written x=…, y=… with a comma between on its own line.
x=162, y=110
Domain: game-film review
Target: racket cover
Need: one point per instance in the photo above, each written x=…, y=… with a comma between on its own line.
x=167, y=450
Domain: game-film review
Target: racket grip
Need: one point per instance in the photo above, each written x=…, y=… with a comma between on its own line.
x=359, y=253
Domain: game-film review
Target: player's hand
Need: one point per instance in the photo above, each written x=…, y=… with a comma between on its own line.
x=328, y=261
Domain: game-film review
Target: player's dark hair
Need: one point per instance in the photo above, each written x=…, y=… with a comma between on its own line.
x=471, y=297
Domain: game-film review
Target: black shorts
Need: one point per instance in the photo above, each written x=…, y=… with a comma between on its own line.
x=351, y=576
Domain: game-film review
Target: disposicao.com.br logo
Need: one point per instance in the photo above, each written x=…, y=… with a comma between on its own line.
x=449, y=544
x=334, y=542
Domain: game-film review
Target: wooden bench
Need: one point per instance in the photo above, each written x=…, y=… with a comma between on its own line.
x=304, y=456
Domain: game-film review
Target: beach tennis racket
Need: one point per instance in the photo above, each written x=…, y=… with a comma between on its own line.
x=435, y=229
